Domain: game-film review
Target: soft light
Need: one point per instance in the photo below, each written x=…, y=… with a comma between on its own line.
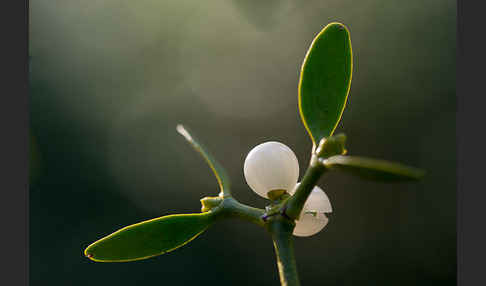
x=312, y=218
x=271, y=166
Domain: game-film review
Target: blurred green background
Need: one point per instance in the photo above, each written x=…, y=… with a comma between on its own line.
x=111, y=79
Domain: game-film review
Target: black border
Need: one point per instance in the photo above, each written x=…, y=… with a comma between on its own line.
x=471, y=195
x=14, y=120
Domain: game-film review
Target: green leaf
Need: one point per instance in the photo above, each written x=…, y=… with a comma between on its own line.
x=325, y=80
x=373, y=169
x=149, y=238
x=218, y=170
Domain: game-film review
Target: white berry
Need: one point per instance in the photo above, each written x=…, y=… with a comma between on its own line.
x=312, y=218
x=271, y=166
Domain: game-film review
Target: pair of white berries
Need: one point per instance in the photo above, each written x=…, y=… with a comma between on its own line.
x=274, y=166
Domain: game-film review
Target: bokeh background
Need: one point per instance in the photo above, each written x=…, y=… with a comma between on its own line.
x=110, y=80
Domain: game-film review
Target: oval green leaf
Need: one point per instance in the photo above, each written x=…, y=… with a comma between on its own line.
x=325, y=80
x=373, y=169
x=218, y=170
x=149, y=238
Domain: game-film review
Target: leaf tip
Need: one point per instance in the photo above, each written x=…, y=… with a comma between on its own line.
x=88, y=254
x=182, y=130
x=338, y=25
x=420, y=173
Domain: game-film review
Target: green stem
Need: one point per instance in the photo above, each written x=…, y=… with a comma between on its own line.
x=296, y=202
x=281, y=231
x=232, y=208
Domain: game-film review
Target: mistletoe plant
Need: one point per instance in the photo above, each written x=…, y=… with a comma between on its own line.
x=271, y=170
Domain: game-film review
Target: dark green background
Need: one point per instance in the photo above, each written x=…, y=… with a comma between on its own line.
x=111, y=79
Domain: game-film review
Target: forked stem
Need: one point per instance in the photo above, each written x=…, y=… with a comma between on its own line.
x=280, y=224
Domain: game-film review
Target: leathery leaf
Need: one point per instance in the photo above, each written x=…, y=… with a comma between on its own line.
x=149, y=238
x=325, y=80
x=373, y=169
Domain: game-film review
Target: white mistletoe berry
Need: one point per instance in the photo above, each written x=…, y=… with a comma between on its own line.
x=313, y=216
x=271, y=166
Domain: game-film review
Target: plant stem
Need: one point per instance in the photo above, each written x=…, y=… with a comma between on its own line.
x=281, y=231
x=233, y=208
x=296, y=202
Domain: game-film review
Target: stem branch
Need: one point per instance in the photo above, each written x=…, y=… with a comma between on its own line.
x=233, y=208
